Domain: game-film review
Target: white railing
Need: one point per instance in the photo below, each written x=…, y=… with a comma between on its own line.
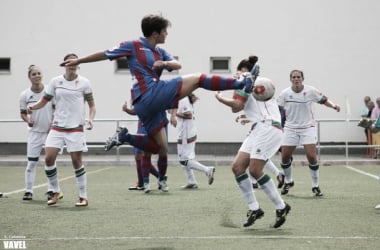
x=342, y=123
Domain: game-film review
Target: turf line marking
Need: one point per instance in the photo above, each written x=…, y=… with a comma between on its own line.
x=61, y=179
x=362, y=172
x=222, y=237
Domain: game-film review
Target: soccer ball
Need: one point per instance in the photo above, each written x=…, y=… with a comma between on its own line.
x=264, y=89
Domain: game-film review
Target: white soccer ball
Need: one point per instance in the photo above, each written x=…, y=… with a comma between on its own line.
x=264, y=89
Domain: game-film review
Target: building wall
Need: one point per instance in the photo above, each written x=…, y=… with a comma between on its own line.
x=334, y=42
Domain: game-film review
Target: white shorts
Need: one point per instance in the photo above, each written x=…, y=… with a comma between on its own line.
x=246, y=146
x=186, y=151
x=74, y=141
x=297, y=137
x=266, y=141
x=36, y=141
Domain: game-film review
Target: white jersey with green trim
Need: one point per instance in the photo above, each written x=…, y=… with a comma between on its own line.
x=299, y=108
x=186, y=127
x=70, y=101
x=258, y=111
x=42, y=118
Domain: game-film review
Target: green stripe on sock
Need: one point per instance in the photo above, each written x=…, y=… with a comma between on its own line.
x=50, y=173
x=286, y=165
x=314, y=166
x=80, y=172
x=242, y=177
x=264, y=179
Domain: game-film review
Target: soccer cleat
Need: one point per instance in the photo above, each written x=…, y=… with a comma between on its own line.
x=54, y=199
x=377, y=207
x=82, y=202
x=281, y=216
x=250, y=78
x=252, y=216
x=147, y=188
x=286, y=187
x=210, y=175
x=190, y=186
x=51, y=193
x=28, y=196
x=136, y=187
x=163, y=185
x=114, y=139
x=317, y=191
x=280, y=180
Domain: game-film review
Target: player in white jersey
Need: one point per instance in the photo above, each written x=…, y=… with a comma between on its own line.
x=70, y=92
x=186, y=139
x=38, y=126
x=300, y=127
x=257, y=149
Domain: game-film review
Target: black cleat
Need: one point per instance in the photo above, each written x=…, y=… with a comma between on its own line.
x=281, y=216
x=114, y=139
x=280, y=180
x=286, y=187
x=28, y=196
x=252, y=216
x=317, y=191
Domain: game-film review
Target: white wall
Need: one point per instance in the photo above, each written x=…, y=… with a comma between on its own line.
x=335, y=42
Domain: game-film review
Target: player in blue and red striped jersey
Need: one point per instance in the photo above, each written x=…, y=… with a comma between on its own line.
x=151, y=96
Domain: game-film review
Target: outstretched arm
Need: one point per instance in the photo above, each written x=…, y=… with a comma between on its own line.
x=235, y=104
x=98, y=56
x=330, y=104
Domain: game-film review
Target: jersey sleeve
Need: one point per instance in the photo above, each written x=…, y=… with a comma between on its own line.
x=23, y=104
x=123, y=49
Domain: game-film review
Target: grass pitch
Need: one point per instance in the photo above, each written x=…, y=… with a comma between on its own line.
x=208, y=218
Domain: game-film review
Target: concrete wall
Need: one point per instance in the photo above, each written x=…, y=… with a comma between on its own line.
x=335, y=42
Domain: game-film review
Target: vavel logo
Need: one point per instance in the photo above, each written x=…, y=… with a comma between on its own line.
x=14, y=242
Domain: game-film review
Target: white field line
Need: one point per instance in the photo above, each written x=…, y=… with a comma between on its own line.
x=60, y=180
x=362, y=172
x=221, y=237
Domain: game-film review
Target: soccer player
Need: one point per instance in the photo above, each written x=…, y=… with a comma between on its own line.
x=300, y=127
x=152, y=96
x=186, y=139
x=38, y=127
x=70, y=91
x=257, y=149
x=144, y=165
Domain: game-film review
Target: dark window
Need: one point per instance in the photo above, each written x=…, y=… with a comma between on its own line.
x=220, y=64
x=5, y=64
x=122, y=64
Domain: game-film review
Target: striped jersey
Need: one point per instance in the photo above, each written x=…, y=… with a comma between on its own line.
x=140, y=57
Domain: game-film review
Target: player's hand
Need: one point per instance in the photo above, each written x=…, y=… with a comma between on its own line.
x=173, y=120
x=125, y=106
x=89, y=124
x=69, y=62
x=218, y=95
x=30, y=123
x=30, y=109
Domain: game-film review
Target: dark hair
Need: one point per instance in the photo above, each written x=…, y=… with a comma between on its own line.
x=68, y=55
x=30, y=68
x=153, y=23
x=248, y=63
x=296, y=70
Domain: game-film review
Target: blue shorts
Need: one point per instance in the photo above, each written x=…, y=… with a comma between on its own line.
x=152, y=105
